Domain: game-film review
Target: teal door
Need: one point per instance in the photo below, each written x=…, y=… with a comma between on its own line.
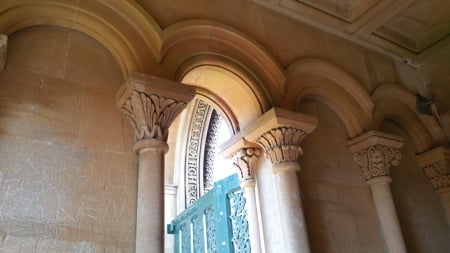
x=217, y=222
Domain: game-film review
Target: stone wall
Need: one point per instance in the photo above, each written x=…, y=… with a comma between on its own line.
x=67, y=182
x=338, y=207
x=419, y=211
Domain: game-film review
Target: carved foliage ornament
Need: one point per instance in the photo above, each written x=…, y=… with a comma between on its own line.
x=439, y=174
x=377, y=160
x=282, y=144
x=151, y=115
x=245, y=163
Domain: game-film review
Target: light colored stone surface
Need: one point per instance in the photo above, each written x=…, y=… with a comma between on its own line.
x=337, y=201
x=59, y=85
x=65, y=178
x=411, y=186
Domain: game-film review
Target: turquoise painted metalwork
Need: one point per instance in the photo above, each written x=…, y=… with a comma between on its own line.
x=241, y=237
x=215, y=223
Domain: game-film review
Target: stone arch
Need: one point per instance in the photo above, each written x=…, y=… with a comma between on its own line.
x=325, y=82
x=229, y=92
x=394, y=103
x=131, y=36
x=193, y=43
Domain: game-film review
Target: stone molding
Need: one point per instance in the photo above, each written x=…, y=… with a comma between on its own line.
x=436, y=166
x=196, y=150
x=375, y=152
x=245, y=161
x=152, y=104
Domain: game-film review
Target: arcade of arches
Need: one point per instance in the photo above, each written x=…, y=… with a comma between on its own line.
x=338, y=114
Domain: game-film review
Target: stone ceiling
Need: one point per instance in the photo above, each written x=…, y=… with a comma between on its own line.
x=406, y=28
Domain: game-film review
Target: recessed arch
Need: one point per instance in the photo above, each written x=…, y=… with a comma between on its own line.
x=325, y=82
x=131, y=36
x=192, y=38
x=228, y=91
x=392, y=102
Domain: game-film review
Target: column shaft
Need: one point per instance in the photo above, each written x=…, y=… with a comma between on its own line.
x=444, y=197
x=170, y=212
x=150, y=202
x=387, y=216
x=252, y=217
x=295, y=235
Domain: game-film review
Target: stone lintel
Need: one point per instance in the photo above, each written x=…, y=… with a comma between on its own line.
x=149, y=84
x=374, y=138
x=277, y=118
x=3, y=46
x=233, y=145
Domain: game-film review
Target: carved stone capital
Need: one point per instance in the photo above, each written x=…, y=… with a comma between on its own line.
x=282, y=144
x=244, y=155
x=279, y=132
x=436, y=166
x=375, y=153
x=152, y=104
x=244, y=162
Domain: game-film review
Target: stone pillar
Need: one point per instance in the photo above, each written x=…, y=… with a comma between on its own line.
x=170, y=212
x=151, y=104
x=3, y=46
x=375, y=153
x=279, y=132
x=245, y=156
x=436, y=165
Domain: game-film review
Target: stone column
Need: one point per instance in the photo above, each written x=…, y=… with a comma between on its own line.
x=375, y=153
x=170, y=212
x=151, y=104
x=436, y=165
x=279, y=132
x=245, y=163
x=245, y=156
x=3, y=46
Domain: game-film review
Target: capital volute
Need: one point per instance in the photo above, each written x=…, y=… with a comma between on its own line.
x=376, y=152
x=244, y=155
x=279, y=132
x=151, y=104
x=436, y=166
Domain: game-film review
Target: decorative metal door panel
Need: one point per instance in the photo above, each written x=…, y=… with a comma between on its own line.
x=215, y=223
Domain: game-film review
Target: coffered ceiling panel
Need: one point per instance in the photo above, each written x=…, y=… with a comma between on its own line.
x=348, y=10
x=419, y=26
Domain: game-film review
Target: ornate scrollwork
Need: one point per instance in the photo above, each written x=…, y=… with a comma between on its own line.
x=245, y=163
x=151, y=115
x=239, y=223
x=439, y=174
x=185, y=238
x=197, y=233
x=282, y=144
x=210, y=229
x=376, y=161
